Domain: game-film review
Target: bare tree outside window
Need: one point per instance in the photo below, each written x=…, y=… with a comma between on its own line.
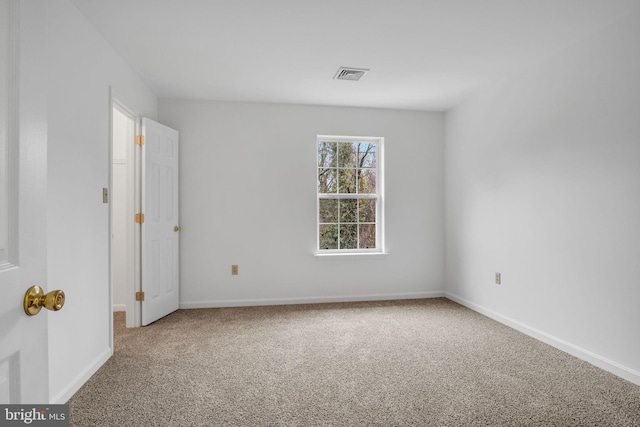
x=348, y=194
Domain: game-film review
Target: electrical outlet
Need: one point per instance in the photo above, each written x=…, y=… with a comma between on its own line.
x=234, y=270
x=498, y=278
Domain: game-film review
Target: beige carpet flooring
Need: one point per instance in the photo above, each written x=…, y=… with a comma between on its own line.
x=395, y=363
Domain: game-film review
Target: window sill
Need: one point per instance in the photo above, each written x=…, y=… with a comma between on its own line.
x=334, y=255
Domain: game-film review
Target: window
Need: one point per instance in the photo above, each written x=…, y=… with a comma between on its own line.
x=349, y=194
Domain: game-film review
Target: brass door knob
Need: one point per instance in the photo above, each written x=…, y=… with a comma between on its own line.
x=35, y=299
x=177, y=228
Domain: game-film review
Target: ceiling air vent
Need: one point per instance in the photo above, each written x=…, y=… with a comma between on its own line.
x=345, y=73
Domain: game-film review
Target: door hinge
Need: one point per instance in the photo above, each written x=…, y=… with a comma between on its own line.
x=140, y=140
x=139, y=218
x=139, y=296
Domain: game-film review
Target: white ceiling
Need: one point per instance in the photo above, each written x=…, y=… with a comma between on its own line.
x=423, y=54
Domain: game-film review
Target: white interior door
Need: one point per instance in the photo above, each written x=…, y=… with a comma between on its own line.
x=24, y=370
x=160, y=228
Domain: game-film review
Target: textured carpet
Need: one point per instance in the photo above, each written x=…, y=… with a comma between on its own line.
x=395, y=363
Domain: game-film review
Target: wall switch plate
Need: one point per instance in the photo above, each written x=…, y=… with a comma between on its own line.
x=234, y=270
x=498, y=278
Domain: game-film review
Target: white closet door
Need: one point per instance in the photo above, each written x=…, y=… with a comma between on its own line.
x=160, y=229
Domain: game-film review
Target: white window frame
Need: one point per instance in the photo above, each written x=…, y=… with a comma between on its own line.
x=378, y=196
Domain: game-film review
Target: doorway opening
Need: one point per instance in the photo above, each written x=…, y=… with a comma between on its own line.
x=144, y=186
x=122, y=211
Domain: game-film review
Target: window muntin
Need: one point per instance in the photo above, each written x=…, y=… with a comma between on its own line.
x=349, y=194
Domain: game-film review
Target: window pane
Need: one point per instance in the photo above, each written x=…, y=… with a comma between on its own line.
x=347, y=153
x=327, y=180
x=327, y=154
x=366, y=155
x=328, y=210
x=348, y=193
x=348, y=210
x=367, y=212
x=348, y=236
x=366, y=181
x=347, y=181
x=367, y=236
x=329, y=236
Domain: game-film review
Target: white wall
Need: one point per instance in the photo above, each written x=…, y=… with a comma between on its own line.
x=81, y=68
x=248, y=197
x=543, y=185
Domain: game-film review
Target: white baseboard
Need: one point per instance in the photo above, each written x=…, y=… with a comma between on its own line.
x=64, y=395
x=306, y=300
x=596, y=360
x=119, y=307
